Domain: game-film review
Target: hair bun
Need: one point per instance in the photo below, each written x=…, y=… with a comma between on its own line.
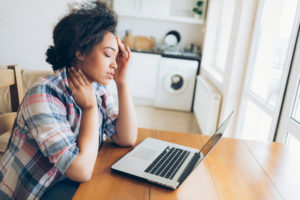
x=53, y=58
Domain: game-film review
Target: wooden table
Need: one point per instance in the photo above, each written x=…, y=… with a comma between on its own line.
x=235, y=169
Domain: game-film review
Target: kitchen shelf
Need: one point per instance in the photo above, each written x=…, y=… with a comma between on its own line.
x=169, y=10
x=190, y=20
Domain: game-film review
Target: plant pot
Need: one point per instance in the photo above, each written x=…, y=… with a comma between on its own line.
x=197, y=16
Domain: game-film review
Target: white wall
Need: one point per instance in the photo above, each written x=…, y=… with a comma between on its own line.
x=26, y=28
x=26, y=31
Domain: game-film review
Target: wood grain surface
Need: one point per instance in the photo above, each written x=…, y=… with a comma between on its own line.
x=235, y=169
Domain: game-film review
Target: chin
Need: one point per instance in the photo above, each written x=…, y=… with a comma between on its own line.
x=105, y=82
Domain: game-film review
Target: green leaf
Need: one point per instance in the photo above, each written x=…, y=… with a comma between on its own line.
x=199, y=3
x=200, y=12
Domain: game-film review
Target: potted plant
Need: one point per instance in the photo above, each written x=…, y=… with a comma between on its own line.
x=198, y=10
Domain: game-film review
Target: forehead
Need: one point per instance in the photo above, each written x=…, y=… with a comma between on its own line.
x=109, y=40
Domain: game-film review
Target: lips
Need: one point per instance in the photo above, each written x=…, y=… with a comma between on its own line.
x=110, y=75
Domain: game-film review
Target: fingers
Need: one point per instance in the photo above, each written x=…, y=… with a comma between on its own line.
x=84, y=78
x=128, y=52
x=71, y=85
x=75, y=77
x=72, y=79
x=121, y=47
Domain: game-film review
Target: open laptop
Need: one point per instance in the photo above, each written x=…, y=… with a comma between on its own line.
x=164, y=163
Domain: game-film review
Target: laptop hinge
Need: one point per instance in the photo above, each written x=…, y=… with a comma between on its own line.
x=189, y=168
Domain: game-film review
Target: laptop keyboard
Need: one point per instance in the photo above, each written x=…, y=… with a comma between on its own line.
x=168, y=162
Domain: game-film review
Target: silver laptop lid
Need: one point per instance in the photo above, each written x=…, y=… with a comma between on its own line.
x=216, y=136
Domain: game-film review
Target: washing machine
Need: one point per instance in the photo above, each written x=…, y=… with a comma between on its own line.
x=176, y=82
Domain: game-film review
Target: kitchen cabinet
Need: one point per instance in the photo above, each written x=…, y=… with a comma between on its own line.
x=169, y=10
x=141, y=7
x=142, y=77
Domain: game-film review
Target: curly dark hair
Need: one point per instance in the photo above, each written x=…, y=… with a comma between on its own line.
x=80, y=30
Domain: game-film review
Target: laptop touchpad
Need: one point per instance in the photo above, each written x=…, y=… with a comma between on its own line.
x=143, y=153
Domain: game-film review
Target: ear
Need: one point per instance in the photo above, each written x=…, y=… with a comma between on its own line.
x=79, y=55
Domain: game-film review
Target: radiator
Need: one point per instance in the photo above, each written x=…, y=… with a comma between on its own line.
x=206, y=106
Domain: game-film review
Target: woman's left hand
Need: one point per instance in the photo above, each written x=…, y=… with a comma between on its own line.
x=122, y=62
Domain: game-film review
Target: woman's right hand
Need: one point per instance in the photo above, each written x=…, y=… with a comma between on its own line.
x=83, y=92
x=81, y=168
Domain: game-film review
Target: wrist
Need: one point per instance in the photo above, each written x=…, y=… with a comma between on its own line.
x=92, y=107
x=121, y=83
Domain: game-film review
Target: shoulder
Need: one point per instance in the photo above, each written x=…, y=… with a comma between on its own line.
x=49, y=92
x=49, y=85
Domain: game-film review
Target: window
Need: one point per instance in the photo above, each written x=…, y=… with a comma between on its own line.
x=217, y=43
x=293, y=142
x=296, y=107
x=223, y=37
x=266, y=66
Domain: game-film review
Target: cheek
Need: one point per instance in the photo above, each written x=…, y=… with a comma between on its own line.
x=98, y=64
x=105, y=63
x=101, y=61
x=97, y=69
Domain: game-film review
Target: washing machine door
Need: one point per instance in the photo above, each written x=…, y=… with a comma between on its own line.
x=175, y=82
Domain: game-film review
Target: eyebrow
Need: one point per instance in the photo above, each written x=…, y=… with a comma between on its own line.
x=110, y=48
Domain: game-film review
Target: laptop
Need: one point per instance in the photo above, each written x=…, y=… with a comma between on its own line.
x=164, y=163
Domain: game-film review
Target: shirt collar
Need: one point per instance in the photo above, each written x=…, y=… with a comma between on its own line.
x=63, y=75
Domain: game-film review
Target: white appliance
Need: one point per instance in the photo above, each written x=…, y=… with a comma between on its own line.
x=206, y=106
x=175, y=85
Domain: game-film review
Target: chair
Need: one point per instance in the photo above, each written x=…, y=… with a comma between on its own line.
x=10, y=78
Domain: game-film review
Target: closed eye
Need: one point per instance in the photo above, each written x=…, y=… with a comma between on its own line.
x=107, y=55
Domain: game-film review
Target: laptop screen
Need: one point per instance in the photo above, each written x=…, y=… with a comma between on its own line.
x=211, y=143
x=213, y=140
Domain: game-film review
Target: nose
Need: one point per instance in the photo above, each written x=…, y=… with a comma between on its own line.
x=114, y=65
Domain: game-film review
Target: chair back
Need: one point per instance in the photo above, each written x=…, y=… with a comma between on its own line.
x=11, y=77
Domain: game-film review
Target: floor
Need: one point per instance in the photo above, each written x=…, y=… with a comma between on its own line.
x=162, y=119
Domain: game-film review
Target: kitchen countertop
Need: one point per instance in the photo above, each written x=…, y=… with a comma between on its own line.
x=180, y=55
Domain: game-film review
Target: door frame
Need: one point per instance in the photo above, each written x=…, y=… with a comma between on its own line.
x=292, y=49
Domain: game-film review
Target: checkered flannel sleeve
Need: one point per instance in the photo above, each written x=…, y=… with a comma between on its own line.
x=45, y=114
x=112, y=115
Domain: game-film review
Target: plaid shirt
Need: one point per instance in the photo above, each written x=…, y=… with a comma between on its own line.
x=44, y=137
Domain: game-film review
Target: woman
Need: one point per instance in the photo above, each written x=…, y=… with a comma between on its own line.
x=64, y=119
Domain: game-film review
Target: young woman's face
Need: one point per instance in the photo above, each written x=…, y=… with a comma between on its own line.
x=101, y=63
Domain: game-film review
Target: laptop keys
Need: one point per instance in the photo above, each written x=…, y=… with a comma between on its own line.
x=168, y=162
x=158, y=159
x=177, y=165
